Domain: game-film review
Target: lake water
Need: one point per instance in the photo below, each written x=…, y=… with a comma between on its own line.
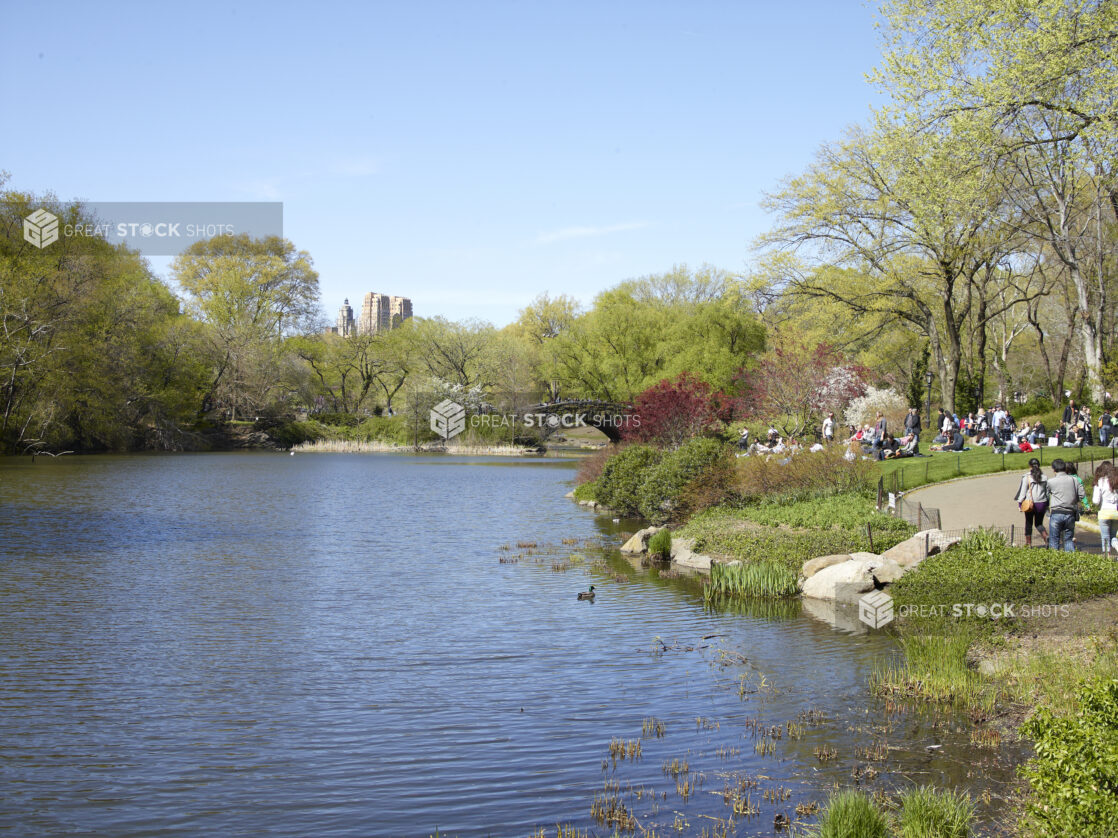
x=259, y=644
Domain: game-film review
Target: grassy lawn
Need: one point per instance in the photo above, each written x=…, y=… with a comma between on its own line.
x=901, y=475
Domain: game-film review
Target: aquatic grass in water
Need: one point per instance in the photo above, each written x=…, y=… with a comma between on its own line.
x=850, y=814
x=927, y=813
x=934, y=668
x=763, y=579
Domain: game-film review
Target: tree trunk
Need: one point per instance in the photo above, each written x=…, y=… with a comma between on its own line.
x=1090, y=332
x=980, y=350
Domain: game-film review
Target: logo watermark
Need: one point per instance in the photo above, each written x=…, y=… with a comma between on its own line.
x=454, y=411
x=157, y=229
x=40, y=228
x=875, y=609
x=448, y=419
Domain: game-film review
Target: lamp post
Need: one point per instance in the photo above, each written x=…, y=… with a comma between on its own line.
x=928, y=396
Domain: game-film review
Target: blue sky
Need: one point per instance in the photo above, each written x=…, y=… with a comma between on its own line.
x=469, y=155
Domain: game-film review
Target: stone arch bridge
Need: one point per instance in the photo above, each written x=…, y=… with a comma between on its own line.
x=608, y=417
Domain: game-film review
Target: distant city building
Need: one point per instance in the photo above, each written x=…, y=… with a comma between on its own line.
x=346, y=324
x=400, y=310
x=380, y=312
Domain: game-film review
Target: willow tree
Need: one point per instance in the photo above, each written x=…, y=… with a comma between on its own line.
x=917, y=219
x=643, y=331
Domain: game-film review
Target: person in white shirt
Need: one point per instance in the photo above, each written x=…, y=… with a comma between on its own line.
x=1105, y=497
x=829, y=428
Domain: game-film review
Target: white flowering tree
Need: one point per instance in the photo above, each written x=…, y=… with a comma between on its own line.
x=864, y=409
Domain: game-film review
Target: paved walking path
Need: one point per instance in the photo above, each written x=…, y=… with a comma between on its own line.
x=987, y=501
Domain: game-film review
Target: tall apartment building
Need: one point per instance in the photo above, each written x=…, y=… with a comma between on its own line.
x=346, y=325
x=399, y=310
x=380, y=312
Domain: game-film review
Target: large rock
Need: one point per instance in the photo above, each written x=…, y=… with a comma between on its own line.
x=813, y=566
x=886, y=571
x=912, y=551
x=684, y=556
x=871, y=559
x=639, y=542
x=840, y=582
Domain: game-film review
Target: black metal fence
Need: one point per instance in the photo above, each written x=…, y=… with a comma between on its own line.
x=918, y=473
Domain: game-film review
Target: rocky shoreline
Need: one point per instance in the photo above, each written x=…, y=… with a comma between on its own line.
x=840, y=578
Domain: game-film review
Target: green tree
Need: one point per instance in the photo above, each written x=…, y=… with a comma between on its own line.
x=539, y=324
x=645, y=330
x=94, y=352
x=918, y=221
x=1039, y=75
x=250, y=294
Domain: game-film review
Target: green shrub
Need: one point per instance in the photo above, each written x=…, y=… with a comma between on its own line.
x=590, y=467
x=662, y=488
x=927, y=813
x=982, y=569
x=660, y=545
x=295, y=433
x=1036, y=406
x=345, y=420
x=622, y=477
x=762, y=579
x=1074, y=775
x=587, y=491
x=850, y=814
x=391, y=429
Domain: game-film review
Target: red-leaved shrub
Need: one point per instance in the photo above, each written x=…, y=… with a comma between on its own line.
x=673, y=411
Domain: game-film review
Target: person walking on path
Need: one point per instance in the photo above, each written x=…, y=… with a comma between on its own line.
x=1105, y=497
x=1032, y=499
x=1073, y=470
x=1065, y=493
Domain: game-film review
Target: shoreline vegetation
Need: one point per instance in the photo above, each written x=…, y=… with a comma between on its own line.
x=1048, y=677
x=346, y=446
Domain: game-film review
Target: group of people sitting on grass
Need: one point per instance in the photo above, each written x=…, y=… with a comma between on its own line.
x=1063, y=498
x=773, y=443
x=994, y=429
x=876, y=442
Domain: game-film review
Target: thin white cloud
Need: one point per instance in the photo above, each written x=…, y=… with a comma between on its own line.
x=587, y=232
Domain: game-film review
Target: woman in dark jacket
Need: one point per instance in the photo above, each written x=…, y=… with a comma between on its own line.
x=1034, y=486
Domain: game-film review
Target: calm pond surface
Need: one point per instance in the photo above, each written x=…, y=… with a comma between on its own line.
x=259, y=644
